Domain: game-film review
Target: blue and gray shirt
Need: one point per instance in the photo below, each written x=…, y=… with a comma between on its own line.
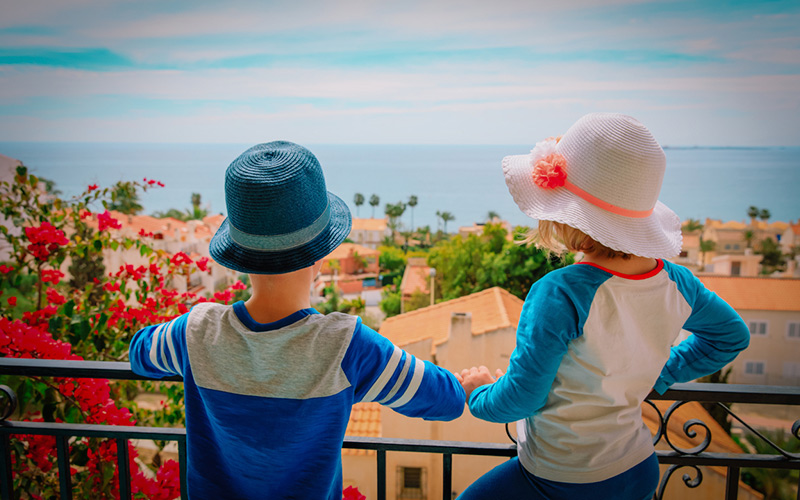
x=591, y=344
x=267, y=404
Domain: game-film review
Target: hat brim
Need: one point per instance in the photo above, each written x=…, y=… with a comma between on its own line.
x=656, y=236
x=228, y=253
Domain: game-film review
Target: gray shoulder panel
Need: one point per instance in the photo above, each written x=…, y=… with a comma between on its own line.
x=300, y=361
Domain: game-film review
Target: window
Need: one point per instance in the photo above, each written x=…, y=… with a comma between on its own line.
x=793, y=330
x=736, y=268
x=791, y=371
x=683, y=253
x=754, y=368
x=757, y=327
x=411, y=483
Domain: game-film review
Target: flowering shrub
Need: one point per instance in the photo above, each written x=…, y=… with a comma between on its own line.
x=45, y=317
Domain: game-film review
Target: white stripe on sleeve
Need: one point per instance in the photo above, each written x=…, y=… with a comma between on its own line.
x=381, y=382
x=154, y=348
x=416, y=380
x=171, y=349
x=400, y=379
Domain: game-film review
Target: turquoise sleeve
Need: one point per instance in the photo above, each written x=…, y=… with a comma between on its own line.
x=718, y=334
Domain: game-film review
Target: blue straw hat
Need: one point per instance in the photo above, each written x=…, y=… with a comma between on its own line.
x=281, y=217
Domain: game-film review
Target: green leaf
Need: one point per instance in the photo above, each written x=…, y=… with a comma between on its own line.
x=114, y=244
x=69, y=308
x=98, y=245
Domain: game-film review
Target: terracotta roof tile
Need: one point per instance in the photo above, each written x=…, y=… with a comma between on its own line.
x=491, y=310
x=762, y=294
x=415, y=278
x=344, y=250
x=369, y=224
x=365, y=421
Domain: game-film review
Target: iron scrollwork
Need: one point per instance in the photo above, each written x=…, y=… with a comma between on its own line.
x=9, y=402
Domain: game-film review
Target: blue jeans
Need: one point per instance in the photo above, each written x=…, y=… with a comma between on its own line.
x=510, y=481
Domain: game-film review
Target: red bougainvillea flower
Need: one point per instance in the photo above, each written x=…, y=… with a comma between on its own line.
x=92, y=187
x=86, y=214
x=12, y=301
x=238, y=286
x=202, y=263
x=180, y=258
x=351, y=493
x=550, y=172
x=4, y=269
x=44, y=240
x=105, y=221
x=51, y=276
x=55, y=298
x=145, y=234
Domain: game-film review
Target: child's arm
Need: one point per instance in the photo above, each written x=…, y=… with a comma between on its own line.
x=718, y=335
x=550, y=320
x=382, y=372
x=159, y=350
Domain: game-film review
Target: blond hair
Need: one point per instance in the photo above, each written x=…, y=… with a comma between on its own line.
x=559, y=238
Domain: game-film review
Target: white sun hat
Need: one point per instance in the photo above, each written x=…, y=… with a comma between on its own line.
x=602, y=177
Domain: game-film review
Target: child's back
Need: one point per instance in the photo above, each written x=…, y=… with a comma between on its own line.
x=267, y=403
x=594, y=338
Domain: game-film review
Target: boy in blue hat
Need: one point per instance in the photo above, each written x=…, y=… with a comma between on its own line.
x=269, y=383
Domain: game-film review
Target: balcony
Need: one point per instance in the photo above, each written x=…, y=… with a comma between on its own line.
x=674, y=457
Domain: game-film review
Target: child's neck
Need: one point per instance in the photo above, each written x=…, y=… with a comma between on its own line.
x=275, y=297
x=634, y=265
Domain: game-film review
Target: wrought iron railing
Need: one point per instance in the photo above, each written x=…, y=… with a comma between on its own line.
x=676, y=456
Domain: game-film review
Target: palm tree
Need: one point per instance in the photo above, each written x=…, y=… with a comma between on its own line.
x=692, y=225
x=358, y=199
x=764, y=214
x=424, y=234
x=705, y=247
x=752, y=212
x=394, y=211
x=749, y=236
x=492, y=215
x=412, y=202
x=446, y=217
x=374, y=200
x=196, y=213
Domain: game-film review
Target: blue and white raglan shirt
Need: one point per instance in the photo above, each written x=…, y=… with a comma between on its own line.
x=591, y=344
x=267, y=405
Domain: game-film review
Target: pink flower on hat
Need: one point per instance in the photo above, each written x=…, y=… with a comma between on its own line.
x=549, y=172
x=549, y=167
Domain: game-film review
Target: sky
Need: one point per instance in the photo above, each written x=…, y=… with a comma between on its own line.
x=697, y=73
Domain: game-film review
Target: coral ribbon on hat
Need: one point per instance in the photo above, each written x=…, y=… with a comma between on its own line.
x=550, y=172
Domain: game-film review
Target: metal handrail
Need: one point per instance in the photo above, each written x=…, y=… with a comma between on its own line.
x=676, y=457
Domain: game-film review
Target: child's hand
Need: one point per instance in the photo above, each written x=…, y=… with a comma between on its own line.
x=475, y=377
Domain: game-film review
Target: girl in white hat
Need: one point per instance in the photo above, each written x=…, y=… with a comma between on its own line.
x=595, y=337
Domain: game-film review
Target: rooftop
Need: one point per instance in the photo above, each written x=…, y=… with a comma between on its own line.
x=415, y=277
x=762, y=294
x=365, y=421
x=369, y=224
x=346, y=250
x=491, y=310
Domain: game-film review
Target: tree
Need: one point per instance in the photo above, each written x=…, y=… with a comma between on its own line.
x=776, y=484
x=749, y=236
x=773, y=258
x=125, y=199
x=446, y=217
x=692, y=225
x=752, y=212
x=412, y=202
x=196, y=213
x=394, y=211
x=358, y=199
x=424, y=235
x=492, y=215
x=468, y=265
x=705, y=247
x=374, y=201
x=764, y=214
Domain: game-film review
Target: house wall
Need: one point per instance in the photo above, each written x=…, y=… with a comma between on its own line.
x=775, y=349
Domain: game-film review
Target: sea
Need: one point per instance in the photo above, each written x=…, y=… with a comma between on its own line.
x=467, y=181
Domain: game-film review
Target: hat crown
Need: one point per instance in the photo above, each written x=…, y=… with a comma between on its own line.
x=615, y=158
x=275, y=188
